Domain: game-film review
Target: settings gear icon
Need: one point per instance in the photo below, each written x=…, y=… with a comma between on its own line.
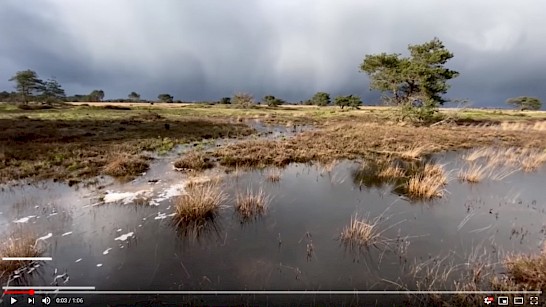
x=488, y=300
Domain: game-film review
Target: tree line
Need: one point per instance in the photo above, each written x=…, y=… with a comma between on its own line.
x=416, y=84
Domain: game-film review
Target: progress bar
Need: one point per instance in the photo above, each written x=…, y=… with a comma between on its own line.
x=59, y=290
x=27, y=258
x=36, y=288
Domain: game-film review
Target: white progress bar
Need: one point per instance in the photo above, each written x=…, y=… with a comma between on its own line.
x=27, y=258
x=70, y=290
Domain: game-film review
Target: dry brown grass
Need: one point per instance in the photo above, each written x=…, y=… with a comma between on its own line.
x=522, y=126
x=533, y=159
x=356, y=140
x=508, y=159
x=274, y=175
x=390, y=171
x=78, y=142
x=473, y=173
x=428, y=183
x=527, y=271
x=414, y=152
x=361, y=232
x=125, y=165
x=199, y=202
x=194, y=161
x=251, y=203
x=24, y=245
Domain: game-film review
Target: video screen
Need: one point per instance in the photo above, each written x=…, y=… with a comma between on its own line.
x=272, y=153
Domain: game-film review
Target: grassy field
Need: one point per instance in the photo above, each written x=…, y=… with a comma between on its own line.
x=74, y=142
x=77, y=141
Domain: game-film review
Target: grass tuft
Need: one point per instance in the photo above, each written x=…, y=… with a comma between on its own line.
x=125, y=165
x=195, y=161
x=274, y=175
x=414, y=152
x=361, y=232
x=527, y=271
x=391, y=172
x=250, y=204
x=428, y=183
x=473, y=173
x=23, y=246
x=200, y=202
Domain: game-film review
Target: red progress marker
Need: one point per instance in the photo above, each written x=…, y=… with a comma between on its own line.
x=19, y=292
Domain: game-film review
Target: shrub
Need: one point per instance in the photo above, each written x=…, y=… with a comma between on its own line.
x=320, y=99
x=272, y=101
x=244, y=100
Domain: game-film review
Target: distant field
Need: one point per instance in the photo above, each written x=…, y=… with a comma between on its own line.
x=82, y=140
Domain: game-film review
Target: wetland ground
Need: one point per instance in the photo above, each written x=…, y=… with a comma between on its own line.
x=99, y=188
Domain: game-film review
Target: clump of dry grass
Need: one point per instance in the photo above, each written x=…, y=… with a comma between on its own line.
x=251, y=203
x=519, y=126
x=527, y=271
x=361, y=232
x=428, y=183
x=533, y=159
x=391, y=172
x=195, y=161
x=123, y=165
x=199, y=202
x=414, y=152
x=473, y=173
x=274, y=175
x=22, y=246
x=528, y=159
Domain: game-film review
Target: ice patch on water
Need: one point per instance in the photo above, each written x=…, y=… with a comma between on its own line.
x=124, y=237
x=170, y=192
x=125, y=197
x=107, y=251
x=24, y=219
x=160, y=216
x=53, y=214
x=49, y=235
x=119, y=230
x=66, y=234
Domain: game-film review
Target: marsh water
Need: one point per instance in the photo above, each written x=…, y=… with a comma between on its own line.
x=120, y=236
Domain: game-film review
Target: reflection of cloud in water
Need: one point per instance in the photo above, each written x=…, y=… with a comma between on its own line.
x=256, y=273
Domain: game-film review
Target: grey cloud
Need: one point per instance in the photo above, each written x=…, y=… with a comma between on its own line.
x=207, y=49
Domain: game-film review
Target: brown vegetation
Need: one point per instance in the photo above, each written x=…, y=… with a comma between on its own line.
x=473, y=173
x=527, y=272
x=124, y=165
x=426, y=182
x=251, y=203
x=76, y=146
x=361, y=232
x=274, y=175
x=22, y=245
x=199, y=202
x=194, y=161
x=353, y=140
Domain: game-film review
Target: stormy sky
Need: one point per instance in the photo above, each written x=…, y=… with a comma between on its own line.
x=207, y=49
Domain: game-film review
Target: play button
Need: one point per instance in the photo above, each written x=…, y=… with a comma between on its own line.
x=13, y=300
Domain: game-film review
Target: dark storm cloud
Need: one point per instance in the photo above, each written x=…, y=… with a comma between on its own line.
x=207, y=49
